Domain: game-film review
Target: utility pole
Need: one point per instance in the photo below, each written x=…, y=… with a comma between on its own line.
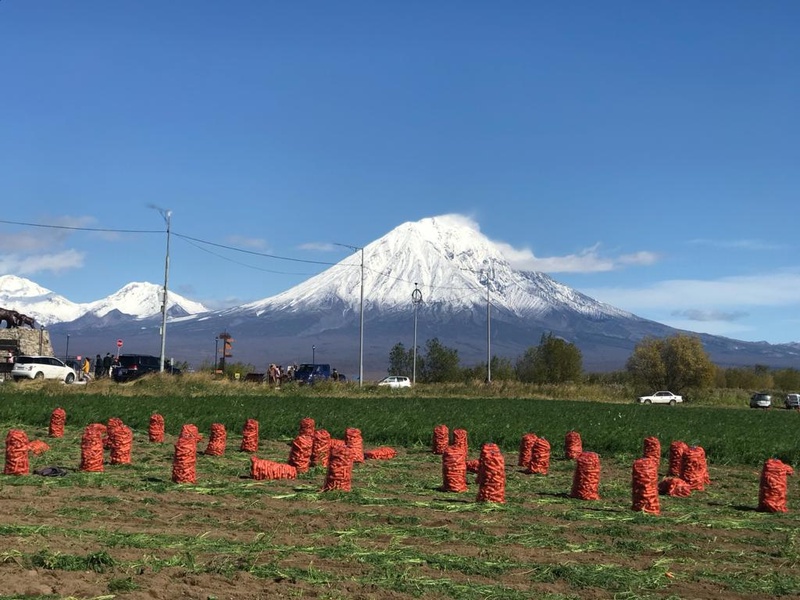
x=489, y=279
x=167, y=215
x=416, y=300
x=360, y=316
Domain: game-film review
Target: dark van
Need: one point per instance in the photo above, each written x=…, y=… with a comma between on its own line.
x=132, y=366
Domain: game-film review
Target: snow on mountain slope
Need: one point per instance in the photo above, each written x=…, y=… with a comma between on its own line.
x=450, y=261
x=138, y=300
x=27, y=297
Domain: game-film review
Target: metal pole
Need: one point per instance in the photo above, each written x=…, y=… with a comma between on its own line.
x=488, y=335
x=216, y=355
x=167, y=215
x=66, y=354
x=416, y=298
x=313, y=354
x=361, y=327
x=41, y=340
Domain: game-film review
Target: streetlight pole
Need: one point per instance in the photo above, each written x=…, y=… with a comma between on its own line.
x=167, y=215
x=216, y=355
x=416, y=300
x=489, y=278
x=360, y=317
x=66, y=354
x=313, y=354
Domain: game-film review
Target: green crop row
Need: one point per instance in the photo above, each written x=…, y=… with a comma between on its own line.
x=728, y=436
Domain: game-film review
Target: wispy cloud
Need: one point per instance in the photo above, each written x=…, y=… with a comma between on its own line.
x=743, y=244
x=247, y=242
x=320, y=247
x=34, y=264
x=693, y=314
x=769, y=289
x=589, y=260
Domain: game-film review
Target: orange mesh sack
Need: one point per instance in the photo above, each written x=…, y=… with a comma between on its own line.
x=491, y=475
x=573, y=445
x=112, y=425
x=267, y=469
x=526, y=449
x=586, y=479
x=354, y=441
x=321, y=448
x=540, y=457
x=307, y=426
x=676, y=451
x=772, y=491
x=441, y=439
x=380, y=453
x=92, y=448
x=17, y=447
x=38, y=447
x=121, y=438
x=190, y=431
x=454, y=470
x=460, y=439
x=184, y=463
x=217, y=440
x=58, y=418
x=155, y=429
x=300, y=453
x=674, y=486
x=651, y=448
x=694, y=471
x=644, y=486
x=250, y=436
x=340, y=469
x=473, y=466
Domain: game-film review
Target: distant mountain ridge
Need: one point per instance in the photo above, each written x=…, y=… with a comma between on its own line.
x=458, y=271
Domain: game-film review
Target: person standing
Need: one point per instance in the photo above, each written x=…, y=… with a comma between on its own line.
x=85, y=368
x=107, y=364
x=98, y=367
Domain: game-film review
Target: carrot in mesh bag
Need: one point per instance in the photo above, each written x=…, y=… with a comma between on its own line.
x=491, y=475
x=674, y=486
x=473, y=466
x=354, y=441
x=525, y=449
x=38, y=447
x=586, y=478
x=454, y=470
x=300, y=453
x=307, y=426
x=58, y=418
x=441, y=439
x=540, y=457
x=644, y=486
x=155, y=429
x=217, y=440
x=92, y=448
x=190, y=431
x=340, y=469
x=184, y=462
x=676, y=451
x=112, y=425
x=460, y=440
x=261, y=469
x=573, y=445
x=380, y=453
x=651, y=448
x=772, y=491
x=17, y=447
x=121, y=445
x=250, y=436
x=694, y=470
x=320, y=448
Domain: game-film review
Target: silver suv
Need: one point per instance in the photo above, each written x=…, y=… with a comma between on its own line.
x=760, y=400
x=792, y=401
x=41, y=367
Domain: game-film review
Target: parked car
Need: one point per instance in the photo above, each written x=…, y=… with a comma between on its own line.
x=760, y=400
x=42, y=367
x=396, y=381
x=792, y=401
x=662, y=397
x=308, y=373
x=132, y=366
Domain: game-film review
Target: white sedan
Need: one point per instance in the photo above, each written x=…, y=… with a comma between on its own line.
x=396, y=381
x=661, y=398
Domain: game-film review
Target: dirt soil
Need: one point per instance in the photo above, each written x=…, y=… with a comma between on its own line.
x=130, y=532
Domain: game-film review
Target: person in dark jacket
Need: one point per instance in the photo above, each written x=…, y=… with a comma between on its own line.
x=107, y=364
x=98, y=367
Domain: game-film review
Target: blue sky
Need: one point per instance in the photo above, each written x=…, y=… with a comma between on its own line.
x=644, y=153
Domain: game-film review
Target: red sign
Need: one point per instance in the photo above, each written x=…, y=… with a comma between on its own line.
x=119, y=343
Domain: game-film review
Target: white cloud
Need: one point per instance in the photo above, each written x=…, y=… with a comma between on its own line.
x=744, y=244
x=246, y=242
x=770, y=289
x=587, y=261
x=57, y=262
x=319, y=246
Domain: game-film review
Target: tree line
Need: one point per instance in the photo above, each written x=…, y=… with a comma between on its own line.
x=678, y=363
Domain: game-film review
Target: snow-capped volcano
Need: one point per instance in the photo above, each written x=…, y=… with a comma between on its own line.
x=449, y=261
x=135, y=300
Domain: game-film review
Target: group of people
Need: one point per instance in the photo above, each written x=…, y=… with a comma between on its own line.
x=276, y=374
x=103, y=366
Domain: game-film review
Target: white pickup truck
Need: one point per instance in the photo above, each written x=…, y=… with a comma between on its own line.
x=660, y=398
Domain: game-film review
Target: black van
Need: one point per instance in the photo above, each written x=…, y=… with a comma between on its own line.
x=132, y=366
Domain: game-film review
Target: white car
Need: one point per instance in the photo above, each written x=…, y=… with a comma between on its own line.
x=396, y=381
x=42, y=367
x=661, y=398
